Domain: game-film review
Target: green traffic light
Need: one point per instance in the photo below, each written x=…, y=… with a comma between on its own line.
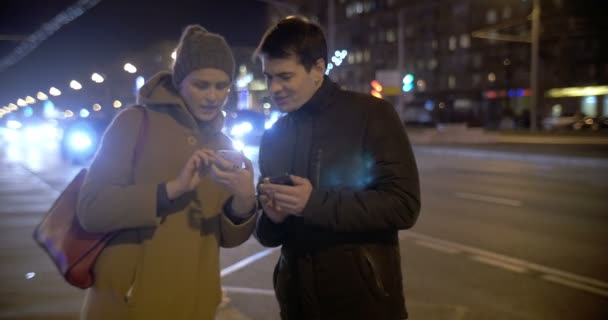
x=409, y=78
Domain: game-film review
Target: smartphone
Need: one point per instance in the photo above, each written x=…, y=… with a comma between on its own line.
x=284, y=180
x=233, y=156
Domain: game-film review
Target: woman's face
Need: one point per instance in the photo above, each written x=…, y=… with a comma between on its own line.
x=205, y=92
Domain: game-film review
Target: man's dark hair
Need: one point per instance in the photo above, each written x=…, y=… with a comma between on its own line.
x=294, y=36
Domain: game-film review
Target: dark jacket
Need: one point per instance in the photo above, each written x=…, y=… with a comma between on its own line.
x=341, y=259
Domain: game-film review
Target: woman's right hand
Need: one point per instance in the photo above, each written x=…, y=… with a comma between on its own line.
x=189, y=177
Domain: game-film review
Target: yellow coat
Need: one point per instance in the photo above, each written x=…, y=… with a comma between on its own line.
x=156, y=269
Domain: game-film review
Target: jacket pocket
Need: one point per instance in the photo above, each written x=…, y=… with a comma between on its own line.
x=338, y=278
x=374, y=268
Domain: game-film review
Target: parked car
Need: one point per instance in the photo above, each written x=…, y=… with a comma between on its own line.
x=600, y=123
x=563, y=122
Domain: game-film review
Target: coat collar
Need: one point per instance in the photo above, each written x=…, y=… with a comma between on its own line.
x=320, y=99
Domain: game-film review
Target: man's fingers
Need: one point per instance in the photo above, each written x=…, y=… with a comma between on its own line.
x=285, y=199
x=298, y=181
x=271, y=187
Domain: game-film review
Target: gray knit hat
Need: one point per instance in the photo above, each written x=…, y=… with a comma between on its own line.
x=199, y=49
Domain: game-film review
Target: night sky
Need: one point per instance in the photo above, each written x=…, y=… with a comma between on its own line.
x=113, y=29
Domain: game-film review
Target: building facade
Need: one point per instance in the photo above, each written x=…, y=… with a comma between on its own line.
x=470, y=59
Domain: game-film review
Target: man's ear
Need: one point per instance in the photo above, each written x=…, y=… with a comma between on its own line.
x=318, y=70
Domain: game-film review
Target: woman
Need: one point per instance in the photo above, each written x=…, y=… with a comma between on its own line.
x=180, y=200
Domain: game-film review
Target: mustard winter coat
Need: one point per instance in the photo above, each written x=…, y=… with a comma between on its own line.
x=156, y=268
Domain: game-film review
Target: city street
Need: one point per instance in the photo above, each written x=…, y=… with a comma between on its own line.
x=496, y=239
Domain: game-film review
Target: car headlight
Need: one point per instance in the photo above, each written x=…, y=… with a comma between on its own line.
x=241, y=129
x=80, y=141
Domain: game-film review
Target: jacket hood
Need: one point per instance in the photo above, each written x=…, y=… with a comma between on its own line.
x=160, y=91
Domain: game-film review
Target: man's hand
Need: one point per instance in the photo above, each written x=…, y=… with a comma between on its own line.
x=270, y=210
x=290, y=200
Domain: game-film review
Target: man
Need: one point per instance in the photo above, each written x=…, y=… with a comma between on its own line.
x=352, y=184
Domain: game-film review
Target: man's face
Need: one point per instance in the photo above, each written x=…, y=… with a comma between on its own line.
x=205, y=92
x=290, y=85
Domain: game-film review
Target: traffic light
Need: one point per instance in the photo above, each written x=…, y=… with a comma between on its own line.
x=376, y=89
x=408, y=83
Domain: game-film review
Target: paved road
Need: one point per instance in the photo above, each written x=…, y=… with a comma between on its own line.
x=497, y=239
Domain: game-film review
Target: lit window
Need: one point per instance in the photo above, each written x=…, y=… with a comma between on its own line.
x=465, y=41
x=491, y=16
x=434, y=44
x=452, y=43
x=506, y=12
x=359, y=7
x=358, y=56
x=366, y=56
x=589, y=106
x=390, y=36
x=491, y=77
x=432, y=64
x=451, y=81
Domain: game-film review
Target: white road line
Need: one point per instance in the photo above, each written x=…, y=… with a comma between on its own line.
x=263, y=292
x=438, y=247
x=247, y=261
x=500, y=264
x=576, y=285
x=510, y=260
x=489, y=199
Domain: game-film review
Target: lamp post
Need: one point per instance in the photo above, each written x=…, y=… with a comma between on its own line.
x=534, y=40
x=534, y=63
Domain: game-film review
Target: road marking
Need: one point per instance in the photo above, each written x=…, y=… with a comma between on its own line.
x=598, y=286
x=262, y=292
x=576, y=285
x=247, y=261
x=489, y=199
x=438, y=247
x=500, y=264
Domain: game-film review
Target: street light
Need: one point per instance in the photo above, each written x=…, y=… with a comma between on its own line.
x=97, y=77
x=130, y=68
x=75, y=85
x=54, y=91
x=41, y=96
x=534, y=40
x=534, y=61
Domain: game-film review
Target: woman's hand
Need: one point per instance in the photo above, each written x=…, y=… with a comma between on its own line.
x=189, y=177
x=238, y=181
